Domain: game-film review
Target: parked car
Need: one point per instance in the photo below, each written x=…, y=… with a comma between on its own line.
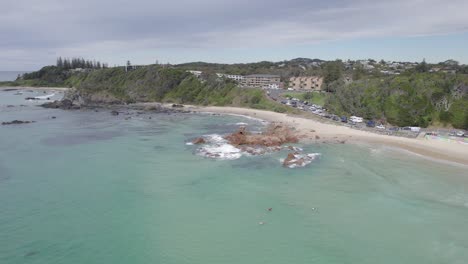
x=380, y=127
x=344, y=119
x=356, y=119
x=370, y=123
x=394, y=129
x=460, y=134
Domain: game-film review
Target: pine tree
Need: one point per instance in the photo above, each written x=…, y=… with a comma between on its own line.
x=66, y=64
x=59, y=62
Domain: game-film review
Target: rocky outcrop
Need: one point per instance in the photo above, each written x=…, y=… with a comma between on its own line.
x=64, y=104
x=17, y=122
x=274, y=135
x=199, y=140
x=75, y=99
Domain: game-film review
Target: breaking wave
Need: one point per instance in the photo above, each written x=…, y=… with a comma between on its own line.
x=218, y=148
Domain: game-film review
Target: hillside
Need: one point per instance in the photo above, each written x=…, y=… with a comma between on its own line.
x=414, y=98
x=152, y=84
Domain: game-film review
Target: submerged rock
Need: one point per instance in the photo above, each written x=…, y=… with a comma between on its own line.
x=17, y=122
x=199, y=140
x=294, y=160
x=115, y=113
x=64, y=104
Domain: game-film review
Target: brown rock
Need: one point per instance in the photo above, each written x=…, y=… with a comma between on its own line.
x=274, y=135
x=199, y=140
x=317, y=137
x=289, y=159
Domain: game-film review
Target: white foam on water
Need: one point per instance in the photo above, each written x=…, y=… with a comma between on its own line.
x=44, y=97
x=220, y=151
x=218, y=148
x=302, y=160
x=242, y=124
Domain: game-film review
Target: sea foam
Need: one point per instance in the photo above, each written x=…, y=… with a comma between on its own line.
x=218, y=148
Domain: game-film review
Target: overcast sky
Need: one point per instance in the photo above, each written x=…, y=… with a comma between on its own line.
x=33, y=33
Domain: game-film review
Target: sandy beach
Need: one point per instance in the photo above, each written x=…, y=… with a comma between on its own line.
x=317, y=132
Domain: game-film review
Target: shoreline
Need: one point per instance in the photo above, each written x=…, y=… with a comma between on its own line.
x=313, y=131
x=33, y=88
x=309, y=129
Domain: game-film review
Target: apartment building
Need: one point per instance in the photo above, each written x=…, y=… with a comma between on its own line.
x=306, y=83
x=261, y=81
x=235, y=77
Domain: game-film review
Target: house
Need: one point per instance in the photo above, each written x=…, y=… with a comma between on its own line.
x=261, y=80
x=196, y=73
x=306, y=83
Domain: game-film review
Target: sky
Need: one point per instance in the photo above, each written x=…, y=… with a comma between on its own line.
x=34, y=33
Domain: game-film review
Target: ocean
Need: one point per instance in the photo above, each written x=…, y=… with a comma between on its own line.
x=89, y=187
x=10, y=75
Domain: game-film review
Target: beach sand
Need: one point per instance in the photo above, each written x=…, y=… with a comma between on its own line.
x=318, y=132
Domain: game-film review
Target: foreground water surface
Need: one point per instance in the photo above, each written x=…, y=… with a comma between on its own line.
x=89, y=187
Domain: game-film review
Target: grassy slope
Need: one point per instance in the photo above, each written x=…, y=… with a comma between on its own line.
x=156, y=83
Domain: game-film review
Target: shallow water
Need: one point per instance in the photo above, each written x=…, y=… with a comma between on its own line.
x=89, y=187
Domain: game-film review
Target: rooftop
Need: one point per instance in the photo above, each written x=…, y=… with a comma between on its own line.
x=263, y=75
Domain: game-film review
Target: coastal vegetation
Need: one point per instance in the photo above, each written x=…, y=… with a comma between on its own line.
x=154, y=83
x=416, y=97
x=411, y=99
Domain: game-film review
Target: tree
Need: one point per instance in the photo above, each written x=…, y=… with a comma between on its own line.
x=332, y=72
x=66, y=64
x=422, y=67
x=358, y=72
x=60, y=62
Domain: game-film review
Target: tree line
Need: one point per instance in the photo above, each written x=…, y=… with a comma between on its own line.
x=76, y=63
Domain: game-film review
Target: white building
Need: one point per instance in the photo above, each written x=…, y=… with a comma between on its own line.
x=238, y=78
x=196, y=73
x=273, y=86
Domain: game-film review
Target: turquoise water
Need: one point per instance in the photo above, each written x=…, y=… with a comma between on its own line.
x=88, y=187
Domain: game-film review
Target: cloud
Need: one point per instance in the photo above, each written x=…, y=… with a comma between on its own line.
x=39, y=32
